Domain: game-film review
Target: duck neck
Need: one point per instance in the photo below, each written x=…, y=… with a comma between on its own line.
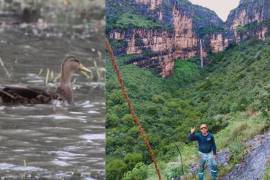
x=65, y=81
x=66, y=75
x=65, y=85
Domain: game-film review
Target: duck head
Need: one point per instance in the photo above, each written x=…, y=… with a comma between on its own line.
x=70, y=66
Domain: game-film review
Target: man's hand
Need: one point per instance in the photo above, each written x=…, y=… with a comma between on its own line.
x=192, y=130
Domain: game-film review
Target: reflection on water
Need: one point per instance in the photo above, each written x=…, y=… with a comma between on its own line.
x=43, y=140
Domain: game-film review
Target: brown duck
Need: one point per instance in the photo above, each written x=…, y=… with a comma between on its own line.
x=29, y=95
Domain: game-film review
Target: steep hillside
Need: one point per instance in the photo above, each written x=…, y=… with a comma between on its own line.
x=231, y=94
x=236, y=82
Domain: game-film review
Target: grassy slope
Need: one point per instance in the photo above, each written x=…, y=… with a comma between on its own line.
x=229, y=95
x=267, y=172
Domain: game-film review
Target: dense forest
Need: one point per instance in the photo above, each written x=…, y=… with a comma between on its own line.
x=231, y=94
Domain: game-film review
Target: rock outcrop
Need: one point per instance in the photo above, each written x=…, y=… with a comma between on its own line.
x=250, y=19
x=152, y=4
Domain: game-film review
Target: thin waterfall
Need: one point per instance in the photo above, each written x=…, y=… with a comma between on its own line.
x=201, y=53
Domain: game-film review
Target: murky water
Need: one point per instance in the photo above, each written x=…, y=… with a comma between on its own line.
x=43, y=141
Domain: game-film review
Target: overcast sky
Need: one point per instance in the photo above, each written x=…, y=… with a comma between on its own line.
x=221, y=7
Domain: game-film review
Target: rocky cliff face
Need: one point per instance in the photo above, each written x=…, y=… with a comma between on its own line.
x=249, y=20
x=180, y=26
x=249, y=11
x=161, y=31
x=152, y=4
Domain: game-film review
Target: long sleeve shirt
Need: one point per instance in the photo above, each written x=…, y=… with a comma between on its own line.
x=206, y=143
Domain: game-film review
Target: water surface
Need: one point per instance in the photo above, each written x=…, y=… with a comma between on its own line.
x=44, y=140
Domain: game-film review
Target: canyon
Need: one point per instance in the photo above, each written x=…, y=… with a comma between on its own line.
x=168, y=30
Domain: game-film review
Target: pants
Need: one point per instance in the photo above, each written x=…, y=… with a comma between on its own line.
x=211, y=163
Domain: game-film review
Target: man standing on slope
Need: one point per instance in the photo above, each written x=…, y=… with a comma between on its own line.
x=207, y=150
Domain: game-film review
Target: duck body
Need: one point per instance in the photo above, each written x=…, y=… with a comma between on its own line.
x=25, y=95
x=28, y=95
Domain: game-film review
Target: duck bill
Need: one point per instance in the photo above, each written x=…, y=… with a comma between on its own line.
x=85, y=71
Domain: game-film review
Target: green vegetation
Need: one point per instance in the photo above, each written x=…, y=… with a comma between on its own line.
x=252, y=26
x=130, y=20
x=231, y=94
x=241, y=127
x=118, y=44
x=247, y=27
x=208, y=30
x=184, y=72
x=139, y=172
x=267, y=172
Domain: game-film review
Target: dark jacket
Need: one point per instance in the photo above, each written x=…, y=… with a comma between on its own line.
x=206, y=143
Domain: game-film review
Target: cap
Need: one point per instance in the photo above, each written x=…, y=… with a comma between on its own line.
x=203, y=126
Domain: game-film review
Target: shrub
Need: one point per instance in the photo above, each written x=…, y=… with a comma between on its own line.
x=138, y=173
x=115, y=169
x=131, y=159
